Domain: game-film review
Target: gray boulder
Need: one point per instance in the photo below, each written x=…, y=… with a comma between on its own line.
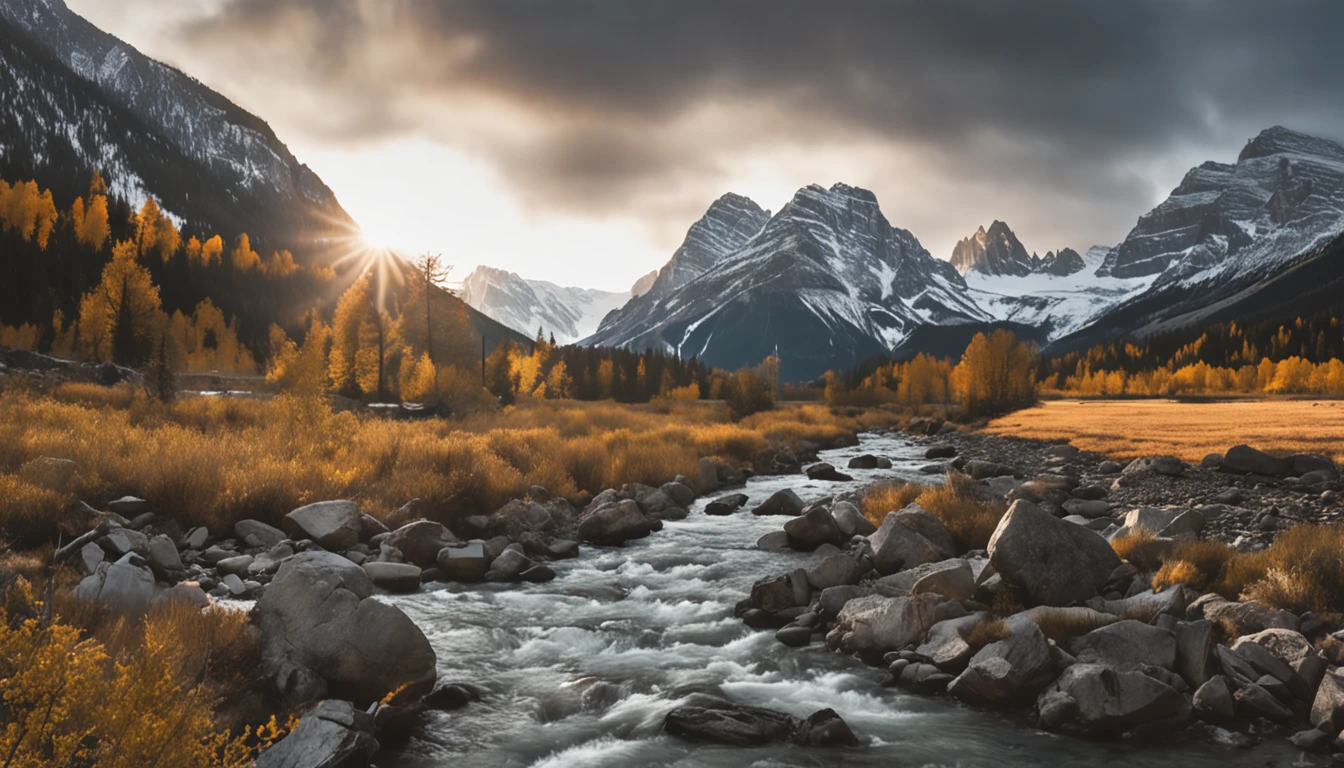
x=334, y=734
x=899, y=584
x=1006, y=671
x=466, y=563
x=614, y=523
x=956, y=582
x=1051, y=561
x=784, y=502
x=419, y=542
x=706, y=477
x=983, y=470
x=732, y=724
x=1089, y=509
x=1213, y=700
x=162, y=556
x=837, y=570
x=393, y=577
x=726, y=505
x=1327, y=709
x=850, y=520
x=1126, y=645
x=323, y=634
x=1249, y=461
x=1254, y=701
x=897, y=547
x=1195, y=641
x=927, y=524
x=120, y=541
x=826, y=473
x=1095, y=699
x=129, y=506
x=509, y=566
x=255, y=534
x=122, y=587
x=874, y=625
x=813, y=528
x=680, y=494
x=945, y=646
x=335, y=525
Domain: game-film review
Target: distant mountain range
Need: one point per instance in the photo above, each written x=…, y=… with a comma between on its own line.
x=570, y=314
x=829, y=281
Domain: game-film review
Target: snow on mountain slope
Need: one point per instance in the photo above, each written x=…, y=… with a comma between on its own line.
x=232, y=155
x=526, y=305
x=828, y=281
x=1059, y=304
x=1224, y=231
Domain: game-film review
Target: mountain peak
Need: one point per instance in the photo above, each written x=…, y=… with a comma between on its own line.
x=993, y=252
x=1278, y=140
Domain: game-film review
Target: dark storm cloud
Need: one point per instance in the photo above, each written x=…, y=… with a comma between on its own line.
x=1059, y=98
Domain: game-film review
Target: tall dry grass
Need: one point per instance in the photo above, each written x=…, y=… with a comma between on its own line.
x=213, y=461
x=969, y=519
x=1126, y=429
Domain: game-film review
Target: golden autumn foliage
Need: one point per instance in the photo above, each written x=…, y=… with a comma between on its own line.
x=996, y=373
x=117, y=317
x=155, y=233
x=68, y=698
x=970, y=520
x=243, y=258
x=217, y=460
x=27, y=210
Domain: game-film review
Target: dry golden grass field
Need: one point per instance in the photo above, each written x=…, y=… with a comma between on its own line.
x=1125, y=429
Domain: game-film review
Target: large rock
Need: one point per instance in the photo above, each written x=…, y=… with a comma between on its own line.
x=466, y=563
x=1126, y=645
x=983, y=470
x=419, y=542
x=1213, y=700
x=322, y=634
x=654, y=502
x=334, y=734
x=1195, y=641
x=614, y=523
x=927, y=524
x=1249, y=461
x=1096, y=699
x=706, y=478
x=1006, y=671
x=784, y=502
x=812, y=529
x=899, y=584
x=1327, y=710
x=255, y=534
x=726, y=505
x=1164, y=521
x=956, y=582
x=824, y=728
x=850, y=520
x=732, y=724
x=827, y=473
x=874, y=625
x=122, y=587
x=1052, y=562
x=837, y=570
x=945, y=646
x=394, y=577
x=120, y=541
x=163, y=557
x=897, y=547
x=334, y=525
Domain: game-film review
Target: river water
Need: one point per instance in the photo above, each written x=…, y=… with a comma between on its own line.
x=581, y=670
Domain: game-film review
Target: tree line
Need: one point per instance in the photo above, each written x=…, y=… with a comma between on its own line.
x=996, y=374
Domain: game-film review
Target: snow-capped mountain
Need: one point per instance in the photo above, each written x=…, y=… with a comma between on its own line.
x=79, y=99
x=827, y=281
x=1057, y=304
x=526, y=305
x=1225, y=235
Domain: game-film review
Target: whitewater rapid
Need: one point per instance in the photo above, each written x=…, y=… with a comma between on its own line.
x=580, y=671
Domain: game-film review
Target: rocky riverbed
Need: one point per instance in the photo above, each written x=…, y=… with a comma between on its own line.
x=672, y=626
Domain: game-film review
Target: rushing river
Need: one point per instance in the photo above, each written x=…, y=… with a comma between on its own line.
x=581, y=670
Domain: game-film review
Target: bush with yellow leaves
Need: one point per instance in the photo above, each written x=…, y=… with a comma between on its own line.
x=66, y=699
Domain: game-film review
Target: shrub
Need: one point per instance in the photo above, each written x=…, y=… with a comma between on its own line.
x=28, y=512
x=1141, y=548
x=69, y=699
x=970, y=520
x=1303, y=570
x=1196, y=564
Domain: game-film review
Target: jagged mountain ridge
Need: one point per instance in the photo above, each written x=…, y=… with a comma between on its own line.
x=1226, y=234
x=232, y=173
x=828, y=280
x=526, y=305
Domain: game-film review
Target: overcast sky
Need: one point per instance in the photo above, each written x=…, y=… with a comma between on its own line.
x=576, y=141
